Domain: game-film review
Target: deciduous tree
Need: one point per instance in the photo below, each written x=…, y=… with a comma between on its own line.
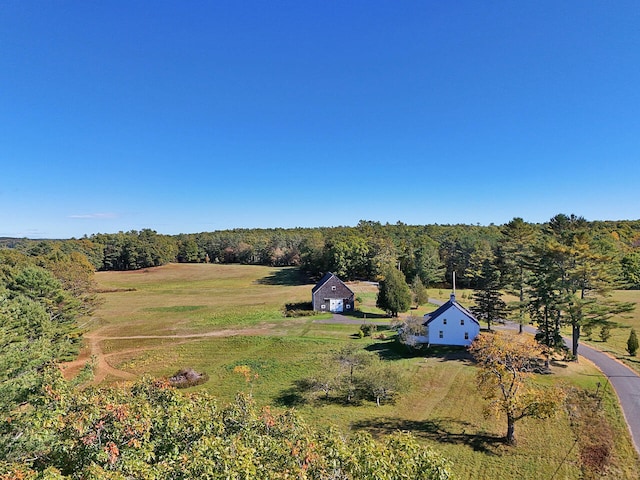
x=148, y=430
x=382, y=381
x=504, y=378
x=351, y=357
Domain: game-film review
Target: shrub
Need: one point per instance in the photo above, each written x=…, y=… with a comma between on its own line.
x=605, y=332
x=368, y=329
x=301, y=309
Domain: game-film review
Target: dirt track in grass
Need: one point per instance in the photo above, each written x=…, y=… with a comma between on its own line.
x=102, y=367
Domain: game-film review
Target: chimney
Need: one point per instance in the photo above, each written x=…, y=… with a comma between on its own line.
x=453, y=293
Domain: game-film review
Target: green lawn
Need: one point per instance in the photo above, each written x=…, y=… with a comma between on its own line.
x=617, y=344
x=441, y=407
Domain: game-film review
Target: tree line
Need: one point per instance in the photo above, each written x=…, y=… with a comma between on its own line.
x=561, y=275
x=430, y=253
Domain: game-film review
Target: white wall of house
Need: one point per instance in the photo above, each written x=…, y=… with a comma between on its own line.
x=452, y=327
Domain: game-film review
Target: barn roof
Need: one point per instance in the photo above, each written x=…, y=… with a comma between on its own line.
x=325, y=279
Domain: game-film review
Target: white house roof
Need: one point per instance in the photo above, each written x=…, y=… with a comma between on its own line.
x=451, y=303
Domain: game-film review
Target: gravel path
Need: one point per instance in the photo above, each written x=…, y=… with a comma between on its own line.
x=346, y=320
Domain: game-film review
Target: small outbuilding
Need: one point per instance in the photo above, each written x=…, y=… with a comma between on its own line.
x=331, y=295
x=450, y=324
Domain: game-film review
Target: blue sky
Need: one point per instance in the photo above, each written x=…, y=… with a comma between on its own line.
x=197, y=116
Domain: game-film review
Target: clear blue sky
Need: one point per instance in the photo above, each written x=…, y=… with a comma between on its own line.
x=197, y=116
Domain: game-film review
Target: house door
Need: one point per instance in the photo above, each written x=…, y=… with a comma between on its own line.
x=336, y=305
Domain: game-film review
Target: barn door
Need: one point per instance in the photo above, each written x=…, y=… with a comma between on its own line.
x=336, y=305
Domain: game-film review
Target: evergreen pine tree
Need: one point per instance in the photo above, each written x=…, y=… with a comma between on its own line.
x=420, y=293
x=394, y=295
x=632, y=343
x=489, y=305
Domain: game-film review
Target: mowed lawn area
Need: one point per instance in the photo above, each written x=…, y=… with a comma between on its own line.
x=188, y=298
x=215, y=317
x=617, y=344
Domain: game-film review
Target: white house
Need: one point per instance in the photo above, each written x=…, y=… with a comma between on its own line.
x=450, y=324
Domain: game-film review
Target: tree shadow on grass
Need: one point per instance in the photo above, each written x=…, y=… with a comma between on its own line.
x=441, y=430
x=450, y=353
x=302, y=392
x=558, y=363
x=628, y=359
x=291, y=397
x=287, y=277
x=369, y=315
x=395, y=350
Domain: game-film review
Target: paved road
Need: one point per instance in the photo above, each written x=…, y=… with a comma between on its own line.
x=346, y=320
x=625, y=382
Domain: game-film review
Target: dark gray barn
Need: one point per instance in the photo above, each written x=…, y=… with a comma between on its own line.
x=331, y=295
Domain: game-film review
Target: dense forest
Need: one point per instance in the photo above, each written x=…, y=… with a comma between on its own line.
x=430, y=252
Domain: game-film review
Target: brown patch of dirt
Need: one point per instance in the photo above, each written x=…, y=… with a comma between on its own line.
x=103, y=368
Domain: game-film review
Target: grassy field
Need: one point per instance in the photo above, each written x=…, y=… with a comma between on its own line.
x=215, y=317
x=617, y=344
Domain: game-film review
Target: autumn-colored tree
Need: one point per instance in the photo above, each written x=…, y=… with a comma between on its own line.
x=149, y=430
x=505, y=365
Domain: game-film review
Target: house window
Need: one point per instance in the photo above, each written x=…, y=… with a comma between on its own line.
x=444, y=321
x=462, y=321
x=466, y=335
x=441, y=334
x=333, y=288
